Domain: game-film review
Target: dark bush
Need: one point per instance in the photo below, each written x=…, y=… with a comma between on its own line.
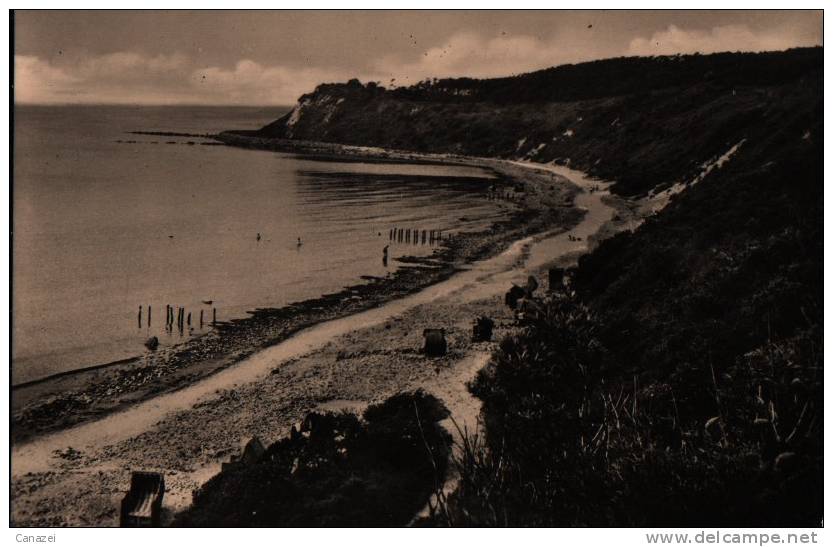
x=342, y=471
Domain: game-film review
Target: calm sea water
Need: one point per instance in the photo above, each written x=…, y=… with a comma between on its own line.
x=102, y=227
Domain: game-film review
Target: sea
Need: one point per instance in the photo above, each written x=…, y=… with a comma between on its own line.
x=106, y=222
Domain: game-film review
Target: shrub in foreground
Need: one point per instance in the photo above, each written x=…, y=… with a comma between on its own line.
x=341, y=471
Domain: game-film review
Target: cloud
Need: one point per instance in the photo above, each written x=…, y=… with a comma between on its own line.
x=37, y=81
x=175, y=78
x=253, y=83
x=114, y=77
x=130, y=65
x=674, y=40
x=469, y=54
x=130, y=77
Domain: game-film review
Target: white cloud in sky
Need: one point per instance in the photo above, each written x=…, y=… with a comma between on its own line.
x=37, y=81
x=469, y=54
x=127, y=77
x=721, y=38
x=125, y=64
x=254, y=83
x=132, y=77
x=114, y=77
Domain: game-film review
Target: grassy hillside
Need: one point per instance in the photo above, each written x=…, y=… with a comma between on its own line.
x=644, y=122
x=682, y=382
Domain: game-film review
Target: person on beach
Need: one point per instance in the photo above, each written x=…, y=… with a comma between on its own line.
x=385, y=256
x=299, y=243
x=258, y=236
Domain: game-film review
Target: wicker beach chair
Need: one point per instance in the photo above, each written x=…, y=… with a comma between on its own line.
x=142, y=505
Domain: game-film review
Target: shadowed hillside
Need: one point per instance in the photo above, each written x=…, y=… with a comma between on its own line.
x=681, y=384
x=678, y=380
x=644, y=122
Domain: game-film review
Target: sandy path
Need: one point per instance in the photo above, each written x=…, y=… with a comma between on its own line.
x=37, y=456
x=338, y=364
x=547, y=249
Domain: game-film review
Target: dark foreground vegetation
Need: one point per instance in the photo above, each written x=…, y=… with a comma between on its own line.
x=680, y=379
x=339, y=470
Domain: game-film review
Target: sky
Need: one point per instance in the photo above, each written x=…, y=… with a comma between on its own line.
x=273, y=57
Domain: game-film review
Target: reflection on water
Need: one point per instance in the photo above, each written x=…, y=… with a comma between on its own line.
x=101, y=228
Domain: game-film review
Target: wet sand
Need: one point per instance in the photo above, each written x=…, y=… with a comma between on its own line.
x=343, y=363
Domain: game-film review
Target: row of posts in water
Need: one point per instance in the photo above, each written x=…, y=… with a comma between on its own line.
x=177, y=316
x=415, y=236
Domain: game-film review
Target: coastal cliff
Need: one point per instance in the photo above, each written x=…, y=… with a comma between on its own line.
x=646, y=123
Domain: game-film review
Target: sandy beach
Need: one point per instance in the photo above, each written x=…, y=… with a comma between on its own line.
x=371, y=269
x=340, y=362
x=59, y=402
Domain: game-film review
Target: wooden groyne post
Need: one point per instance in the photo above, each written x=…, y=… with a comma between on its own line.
x=140, y=316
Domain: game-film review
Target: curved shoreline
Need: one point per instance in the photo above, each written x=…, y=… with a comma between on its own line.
x=266, y=392
x=65, y=400
x=34, y=456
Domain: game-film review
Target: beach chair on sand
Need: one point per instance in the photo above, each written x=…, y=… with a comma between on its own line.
x=142, y=505
x=435, y=344
x=482, y=330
